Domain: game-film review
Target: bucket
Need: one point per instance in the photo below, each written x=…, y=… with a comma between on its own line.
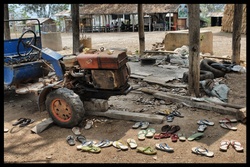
x=86, y=41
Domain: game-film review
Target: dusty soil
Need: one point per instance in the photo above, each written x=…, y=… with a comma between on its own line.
x=50, y=146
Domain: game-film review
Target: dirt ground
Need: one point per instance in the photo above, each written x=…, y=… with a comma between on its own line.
x=50, y=146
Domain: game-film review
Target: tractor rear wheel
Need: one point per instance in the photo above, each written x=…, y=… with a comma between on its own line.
x=65, y=107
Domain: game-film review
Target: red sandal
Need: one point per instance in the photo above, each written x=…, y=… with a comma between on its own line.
x=161, y=135
x=174, y=137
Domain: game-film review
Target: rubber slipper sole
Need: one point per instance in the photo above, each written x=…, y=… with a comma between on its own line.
x=195, y=136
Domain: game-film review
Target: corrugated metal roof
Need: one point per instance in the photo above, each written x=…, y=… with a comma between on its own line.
x=41, y=20
x=100, y=9
x=215, y=14
x=63, y=13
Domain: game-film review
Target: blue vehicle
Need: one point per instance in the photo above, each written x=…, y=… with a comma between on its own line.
x=63, y=82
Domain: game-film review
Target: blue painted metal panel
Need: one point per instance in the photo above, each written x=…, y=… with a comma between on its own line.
x=10, y=46
x=15, y=74
x=53, y=57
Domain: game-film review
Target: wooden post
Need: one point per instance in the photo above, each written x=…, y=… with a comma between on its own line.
x=237, y=22
x=194, y=49
x=6, y=24
x=75, y=27
x=141, y=29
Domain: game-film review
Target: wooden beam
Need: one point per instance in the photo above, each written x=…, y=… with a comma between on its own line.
x=131, y=116
x=186, y=99
x=165, y=51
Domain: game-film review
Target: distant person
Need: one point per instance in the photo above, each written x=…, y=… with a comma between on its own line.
x=122, y=26
x=112, y=26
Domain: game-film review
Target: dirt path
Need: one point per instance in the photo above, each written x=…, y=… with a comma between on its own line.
x=50, y=146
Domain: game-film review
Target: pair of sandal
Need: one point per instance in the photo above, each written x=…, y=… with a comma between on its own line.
x=173, y=114
x=164, y=147
x=203, y=123
x=23, y=122
x=142, y=124
x=168, y=131
x=91, y=148
x=226, y=123
x=149, y=133
x=147, y=150
x=120, y=145
x=202, y=151
x=71, y=140
x=224, y=145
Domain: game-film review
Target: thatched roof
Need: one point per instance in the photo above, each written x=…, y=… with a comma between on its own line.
x=101, y=9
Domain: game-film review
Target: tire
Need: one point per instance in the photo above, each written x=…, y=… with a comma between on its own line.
x=65, y=107
x=206, y=65
x=203, y=75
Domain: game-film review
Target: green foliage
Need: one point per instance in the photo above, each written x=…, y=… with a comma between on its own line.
x=44, y=10
x=208, y=8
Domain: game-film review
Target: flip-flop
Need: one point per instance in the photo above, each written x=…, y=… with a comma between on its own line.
x=225, y=120
x=92, y=149
x=85, y=143
x=228, y=125
x=206, y=122
x=164, y=147
x=195, y=136
x=165, y=128
x=162, y=135
x=173, y=129
x=6, y=130
x=146, y=150
x=236, y=145
x=89, y=124
x=170, y=118
x=181, y=137
x=144, y=125
x=26, y=122
x=150, y=132
x=76, y=130
x=19, y=121
x=120, y=145
x=132, y=143
x=141, y=134
x=174, y=137
x=70, y=140
x=202, y=151
x=177, y=114
x=137, y=125
x=224, y=144
x=81, y=138
x=104, y=143
x=201, y=127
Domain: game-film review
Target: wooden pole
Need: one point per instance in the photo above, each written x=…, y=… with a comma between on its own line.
x=237, y=22
x=194, y=49
x=141, y=30
x=6, y=24
x=75, y=27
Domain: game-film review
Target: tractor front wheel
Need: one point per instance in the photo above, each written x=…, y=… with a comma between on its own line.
x=65, y=107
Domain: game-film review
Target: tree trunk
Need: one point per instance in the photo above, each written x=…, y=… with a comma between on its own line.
x=194, y=49
x=75, y=27
x=237, y=22
x=141, y=29
x=6, y=24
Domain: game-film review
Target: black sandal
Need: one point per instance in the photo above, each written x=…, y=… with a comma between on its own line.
x=81, y=139
x=26, y=122
x=19, y=121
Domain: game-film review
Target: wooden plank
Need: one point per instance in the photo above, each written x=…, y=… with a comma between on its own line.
x=165, y=51
x=187, y=100
x=131, y=116
x=217, y=57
